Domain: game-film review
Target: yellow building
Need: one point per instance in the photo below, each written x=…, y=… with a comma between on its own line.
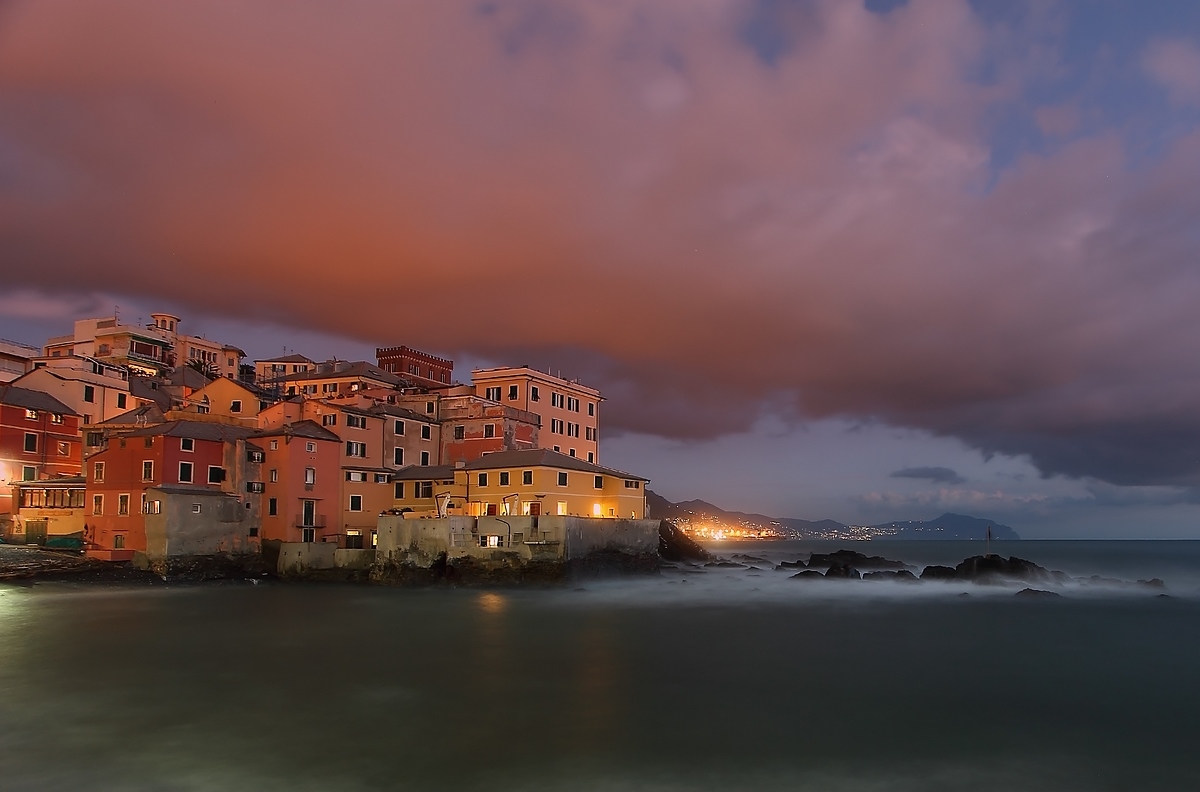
x=228, y=398
x=532, y=482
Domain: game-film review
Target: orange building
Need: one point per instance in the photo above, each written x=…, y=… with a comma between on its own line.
x=301, y=492
x=569, y=412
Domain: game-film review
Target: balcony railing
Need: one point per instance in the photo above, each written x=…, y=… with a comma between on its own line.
x=316, y=522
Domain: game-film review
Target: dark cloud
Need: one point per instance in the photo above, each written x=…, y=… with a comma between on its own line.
x=938, y=475
x=640, y=194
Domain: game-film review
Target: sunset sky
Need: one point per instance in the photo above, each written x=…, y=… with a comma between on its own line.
x=864, y=261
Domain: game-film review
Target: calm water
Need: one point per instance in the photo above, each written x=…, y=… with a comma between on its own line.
x=725, y=679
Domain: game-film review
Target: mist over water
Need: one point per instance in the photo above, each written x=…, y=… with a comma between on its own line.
x=737, y=679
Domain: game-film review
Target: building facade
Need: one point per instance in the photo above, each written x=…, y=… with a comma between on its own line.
x=39, y=439
x=301, y=490
x=569, y=412
x=419, y=368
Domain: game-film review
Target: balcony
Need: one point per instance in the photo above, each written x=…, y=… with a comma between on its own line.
x=317, y=522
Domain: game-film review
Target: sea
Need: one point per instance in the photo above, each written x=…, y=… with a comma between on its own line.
x=701, y=678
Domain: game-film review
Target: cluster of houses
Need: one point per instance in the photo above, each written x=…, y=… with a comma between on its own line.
x=126, y=438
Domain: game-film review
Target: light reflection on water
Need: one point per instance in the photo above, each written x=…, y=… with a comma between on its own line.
x=724, y=682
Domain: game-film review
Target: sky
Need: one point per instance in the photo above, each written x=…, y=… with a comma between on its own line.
x=860, y=261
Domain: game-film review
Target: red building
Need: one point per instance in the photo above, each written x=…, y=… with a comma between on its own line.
x=418, y=367
x=39, y=439
x=129, y=480
x=302, y=466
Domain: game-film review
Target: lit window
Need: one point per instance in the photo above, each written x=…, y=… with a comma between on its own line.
x=562, y=507
x=356, y=475
x=597, y=511
x=310, y=476
x=195, y=508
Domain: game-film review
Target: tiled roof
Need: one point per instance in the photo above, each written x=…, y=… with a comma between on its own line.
x=306, y=429
x=146, y=414
x=199, y=430
x=285, y=359
x=349, y=370
x=544, y=457
x=15, y=396
x=424, y=473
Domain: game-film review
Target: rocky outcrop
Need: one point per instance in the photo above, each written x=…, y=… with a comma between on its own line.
x=852, y=558
x=938, y=573
x=1032, y=593
x=994, y=568
x=675, y=545
x=843, y=572
x=902, y=575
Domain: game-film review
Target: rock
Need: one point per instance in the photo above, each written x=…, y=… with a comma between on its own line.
x=1153, y=583
x=843, y=572
x=902, y=575
x=938, y=573
x=675, y=545
x=995, y=566
x=725, y=565
x=793, y=564
x=808, y=573
x=1037, y=593
x=852, y=558
x=749, y=559
x=752, y=567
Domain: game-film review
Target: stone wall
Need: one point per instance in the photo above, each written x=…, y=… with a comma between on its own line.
x=301, y=558
x=221, y=526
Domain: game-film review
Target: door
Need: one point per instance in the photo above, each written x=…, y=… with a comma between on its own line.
x=35, y=531
x=308, y=516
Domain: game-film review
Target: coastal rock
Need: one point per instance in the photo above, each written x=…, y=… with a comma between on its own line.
x=725, y=565
x=797, y=564
x=748, y=559
x=996, y=566
x=902, y=575
x=675, y=545
x=843, y=572
x=938, y=573
x=1033, y=593
x=852, y=558
x=808, y=574
x=1153, y=583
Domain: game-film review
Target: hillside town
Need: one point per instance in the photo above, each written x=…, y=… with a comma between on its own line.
x=124, y=439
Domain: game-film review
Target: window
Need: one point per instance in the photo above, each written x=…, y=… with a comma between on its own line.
x=151, y=506
x=274, y=445
x=460, y=432
x=424, y=457
x=398, y=428
x=562, y=507
x=195, y=508
x=148, y=470
x=98, y=472
x=492, y=394
x=374, y=539
x=30, y=442
x=591, y=457
x=556, y=426
x=31, y=415
x=556, y=400
x=429, y=407
x=483, y=479
x=557, y=449
x=215, y=474
x=599, y=482
x=235, y=406
x=64, y=449
x=630, y=484
x=356, y=449
x=572, y=452
x=272, y=507
x=94, y=439
x=187, y=444
x=527, y=477
x=426, y=432
x=504, y=478
x=424, y=489
x=491, y=540
x=256, y=487
x=97, y=504
x=356, y=475
x=572, y=404
x=56, y=418
x=562, y=478
x=533, y=393
x=589, y=433
x=308, y=534
x=273, y=475
x=89, y=394
x=356, y=503
x=489, y=430
x=354, y=540
x=592, y=408
x=329, y=419
x=382, y=478
x=185, y=472
x=310, y=476
x=399, y=490
x=310, y=447
x=121, y=400
x=398, y=456
x=119, y=541
x=356, y=421
x=512, y=392
x=123, y=504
